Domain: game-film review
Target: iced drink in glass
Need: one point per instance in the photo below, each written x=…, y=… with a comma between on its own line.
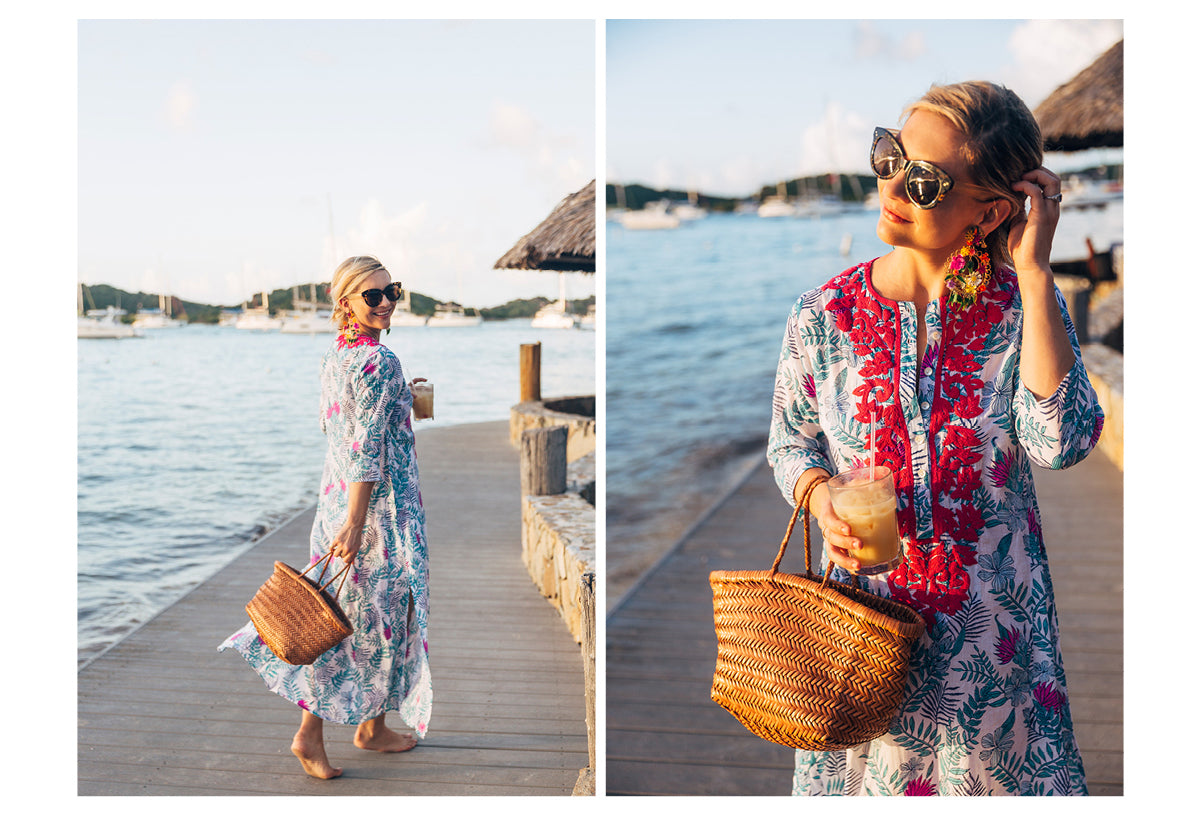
x=422, y=406
x=866, y=499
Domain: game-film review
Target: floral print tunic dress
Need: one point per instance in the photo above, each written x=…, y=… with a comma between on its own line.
x=384, y=665
x=985, y=710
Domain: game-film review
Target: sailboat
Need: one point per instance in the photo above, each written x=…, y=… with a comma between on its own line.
x=102, y=323
x=157, y=318
x=690, y=210
x=403, y=315
x=778, y=205
x=555, y=314
x=307, y=316
x=258, y=318
x=654, y=215
x=451, y=314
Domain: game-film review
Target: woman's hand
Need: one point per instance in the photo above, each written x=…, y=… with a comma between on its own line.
x=1031, y=233
x=347, y=542
x=834, y=530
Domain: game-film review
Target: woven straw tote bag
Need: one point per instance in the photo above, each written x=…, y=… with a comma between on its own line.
x=295, y=616
x=807, y=662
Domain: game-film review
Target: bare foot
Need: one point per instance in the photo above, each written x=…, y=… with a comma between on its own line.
x=382, y=738
x=312, y=758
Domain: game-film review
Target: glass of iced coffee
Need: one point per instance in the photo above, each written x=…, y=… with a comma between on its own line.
x=422, y=405
x=866, y=499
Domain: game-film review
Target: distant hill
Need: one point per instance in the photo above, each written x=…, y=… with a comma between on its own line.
x=637, y=196
x=281, y=299
x=846, y=187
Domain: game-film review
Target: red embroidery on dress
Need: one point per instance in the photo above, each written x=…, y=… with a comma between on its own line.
x=363, y=339
x=932, y=577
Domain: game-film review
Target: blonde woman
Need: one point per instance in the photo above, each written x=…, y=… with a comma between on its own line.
x=957, y=348
x=369, y=514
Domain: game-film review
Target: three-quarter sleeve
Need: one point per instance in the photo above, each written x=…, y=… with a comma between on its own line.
x=1059, y=431
x=377, y=388
x=796, y=442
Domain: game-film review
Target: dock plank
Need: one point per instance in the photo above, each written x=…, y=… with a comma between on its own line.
x=664, y=734
x=163, y=713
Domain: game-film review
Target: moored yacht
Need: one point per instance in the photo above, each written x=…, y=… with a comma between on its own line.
x=451, y=314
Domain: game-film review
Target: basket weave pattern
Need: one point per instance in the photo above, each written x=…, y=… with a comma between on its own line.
x=294, y=615
x=808, y=662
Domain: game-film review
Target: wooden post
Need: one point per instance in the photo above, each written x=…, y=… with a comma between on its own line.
x=531, y=372
x=544, y=460
x=587, y=602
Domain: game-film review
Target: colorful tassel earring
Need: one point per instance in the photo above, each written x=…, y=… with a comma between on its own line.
x=351, y=330
x=969, y=271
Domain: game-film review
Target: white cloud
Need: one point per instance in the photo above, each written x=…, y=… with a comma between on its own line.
x=180, y=105
x=1049, y=53
x=551, y=160
x=514, y=127
x=834, y=144
x=390, y=237
x=870, y=42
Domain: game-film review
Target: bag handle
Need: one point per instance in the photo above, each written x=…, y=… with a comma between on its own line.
x=327, y=558
x=802, y=505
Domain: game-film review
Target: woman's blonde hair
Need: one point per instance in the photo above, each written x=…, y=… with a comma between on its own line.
x=1002, y=143
x=346, y=279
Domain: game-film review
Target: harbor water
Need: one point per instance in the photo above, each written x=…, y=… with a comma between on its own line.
x=694, y=320
x=194, y=441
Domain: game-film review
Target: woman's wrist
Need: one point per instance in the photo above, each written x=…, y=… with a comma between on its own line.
x=803, y=481
x=1034, y=278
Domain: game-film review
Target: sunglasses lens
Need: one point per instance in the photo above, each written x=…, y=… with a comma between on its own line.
x=886, y=157
x=373, y=297
x=923, y=186
x=392, y=291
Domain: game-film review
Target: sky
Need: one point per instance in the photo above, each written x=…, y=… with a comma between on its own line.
x=219, y=158
x=727, y=106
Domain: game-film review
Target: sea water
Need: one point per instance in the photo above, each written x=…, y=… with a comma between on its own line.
x=694, y=321
x=194, y=441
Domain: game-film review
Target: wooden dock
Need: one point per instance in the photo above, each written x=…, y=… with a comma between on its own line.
x=163, y=713
x=666, y=737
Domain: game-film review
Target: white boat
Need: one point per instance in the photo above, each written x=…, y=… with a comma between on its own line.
x=258, y=318
x=403, y=316
x=160, y=317
x=690, y=210
x=555, y=314
x=452, y=315
x=823, y=206
x=776, y=207
x=308, y=321
x=307, y=316
x=588, y=322
x=103, y=323
x=654, y=215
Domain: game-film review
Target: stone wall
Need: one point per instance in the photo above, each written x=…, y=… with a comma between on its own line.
x=578, y=414
x=558, y=542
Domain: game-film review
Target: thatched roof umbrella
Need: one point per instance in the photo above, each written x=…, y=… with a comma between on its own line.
x=1088, y=111
x=564, y=241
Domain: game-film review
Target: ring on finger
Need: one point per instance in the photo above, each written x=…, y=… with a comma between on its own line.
x=1056, y=198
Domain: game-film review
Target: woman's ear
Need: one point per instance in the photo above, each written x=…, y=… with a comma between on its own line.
x=995, y=215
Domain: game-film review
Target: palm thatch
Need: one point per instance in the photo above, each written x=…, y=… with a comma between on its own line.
x=564, y=241
x=1088, y=111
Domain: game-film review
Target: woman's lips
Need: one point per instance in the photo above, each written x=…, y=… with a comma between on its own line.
x=891, y=215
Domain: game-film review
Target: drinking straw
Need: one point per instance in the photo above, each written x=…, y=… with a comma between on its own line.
x=872, y=445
